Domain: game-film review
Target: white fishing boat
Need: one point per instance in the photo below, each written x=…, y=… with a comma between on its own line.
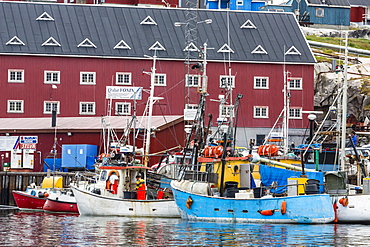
x=351, y=207
x=124, y=186
x=123, y=196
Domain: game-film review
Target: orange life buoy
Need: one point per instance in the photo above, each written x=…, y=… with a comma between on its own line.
x=103, y=155
x=266, y=212
x=218, y=151
x=213, y=151
x=207, y=152
x=283, y=207
x=268, y=149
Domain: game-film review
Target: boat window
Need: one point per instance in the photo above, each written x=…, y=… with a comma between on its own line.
x=103, y=176
x=209, y=167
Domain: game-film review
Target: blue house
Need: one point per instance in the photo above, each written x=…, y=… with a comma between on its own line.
x=250, y=5
x=319, y=13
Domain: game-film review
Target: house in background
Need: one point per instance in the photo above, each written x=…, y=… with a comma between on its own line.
x=158, y=3
x=360, y=10
x=317, y=13
x=249, y=5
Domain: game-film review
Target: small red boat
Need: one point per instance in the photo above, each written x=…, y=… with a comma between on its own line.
x=30, y=199
x=34, y=197
x=61, y=202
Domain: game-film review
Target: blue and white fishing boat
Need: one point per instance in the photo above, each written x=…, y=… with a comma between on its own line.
x=219, y=185
x=213, y=200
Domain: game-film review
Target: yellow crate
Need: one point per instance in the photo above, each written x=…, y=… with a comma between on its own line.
x=301, y=184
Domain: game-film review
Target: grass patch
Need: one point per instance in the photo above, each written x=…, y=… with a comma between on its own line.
x=323, y=59
x=360, y=43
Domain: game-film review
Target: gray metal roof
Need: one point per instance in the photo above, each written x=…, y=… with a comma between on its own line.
x=365, y=3
x=87, y=124
x=69, y=30
x=330, y=2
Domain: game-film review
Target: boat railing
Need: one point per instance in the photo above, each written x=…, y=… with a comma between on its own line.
x=194, y=175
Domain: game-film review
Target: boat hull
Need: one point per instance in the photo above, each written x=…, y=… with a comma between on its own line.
x=94, y=204
x=356, y=211
x=59, y=206
x=26, y=201
x=305, y=209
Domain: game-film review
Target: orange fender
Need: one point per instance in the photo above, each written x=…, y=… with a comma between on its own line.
x=335, y=212
x=266, y=212
x=283, y=207
x=344, y=201
x=189, y=202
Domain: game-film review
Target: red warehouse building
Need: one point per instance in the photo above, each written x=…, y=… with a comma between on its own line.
x=65, y=56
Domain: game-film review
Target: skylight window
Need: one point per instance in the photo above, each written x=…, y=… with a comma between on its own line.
x=51, y=42
x=148, y=21
x=225, y=48
x=191, y=47
x=248, y=24
x=157, y=46
x=259, y=50
x=86, y=43
x=122, y=45
x=15, y=41
x=292, y=51
x=45, y=17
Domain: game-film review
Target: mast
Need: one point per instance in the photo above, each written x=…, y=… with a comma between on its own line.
x=151, y=101
x=344, y=107
x=286, y=111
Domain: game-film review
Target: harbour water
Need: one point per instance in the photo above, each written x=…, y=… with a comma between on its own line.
x=43, y=229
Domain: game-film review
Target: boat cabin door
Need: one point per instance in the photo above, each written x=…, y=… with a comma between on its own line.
x=245, y=176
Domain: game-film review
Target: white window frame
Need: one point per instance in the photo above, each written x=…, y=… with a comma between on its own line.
x=190, y=80
x=52, y=73
x=46, y=107
x=18, y=102
x=191, y=106
x=123, y=78
x=123, y=105
x=88, y=74
x=258, y=114
x=16, y=73
x=87, y=104
x=295, y=113
x=320, y=12
x=294, y=81
x=225, y=111
x=160, y=78
x=258, y=80
x=230, y=80
x=276, y=10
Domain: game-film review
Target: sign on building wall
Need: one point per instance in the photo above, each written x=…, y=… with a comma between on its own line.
x=8, y=143
x=28, y=139
x=21, y=149
x=118, y=92
x=28, y=142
